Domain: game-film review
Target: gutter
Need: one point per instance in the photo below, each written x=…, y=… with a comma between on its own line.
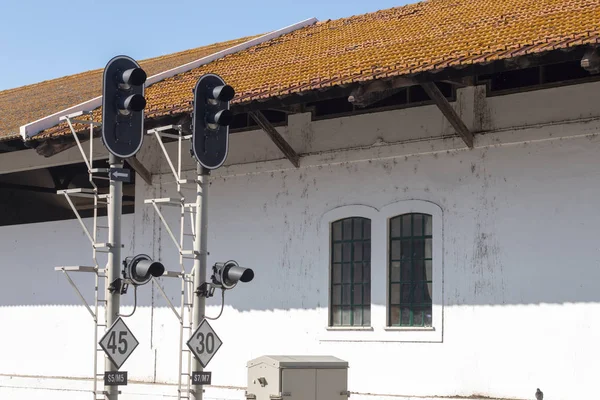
x=30, y=130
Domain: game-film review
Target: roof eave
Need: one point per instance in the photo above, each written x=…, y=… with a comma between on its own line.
x=30, y=130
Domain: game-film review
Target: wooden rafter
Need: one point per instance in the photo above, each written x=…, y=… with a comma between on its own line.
x=365, y=95
x=442, y=103
x=460, y=82
x=140, y=169
x=279, y=141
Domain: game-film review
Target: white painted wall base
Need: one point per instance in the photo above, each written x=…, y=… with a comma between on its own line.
x=27, y=388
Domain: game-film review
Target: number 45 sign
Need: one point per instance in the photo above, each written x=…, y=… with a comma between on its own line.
x=204, y=343
x=118, y=343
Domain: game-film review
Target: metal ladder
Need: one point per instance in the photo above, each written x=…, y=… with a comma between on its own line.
x=187, y=291
x=97, y=247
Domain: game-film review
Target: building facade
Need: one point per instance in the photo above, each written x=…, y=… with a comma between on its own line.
x=433, y=269
x=415, y=190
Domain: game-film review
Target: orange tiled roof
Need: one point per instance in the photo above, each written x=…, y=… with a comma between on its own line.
x=420, y=37
x=25, y=104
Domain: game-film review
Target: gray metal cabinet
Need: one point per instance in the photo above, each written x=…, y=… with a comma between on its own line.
x=297, y=378
x=298, y=384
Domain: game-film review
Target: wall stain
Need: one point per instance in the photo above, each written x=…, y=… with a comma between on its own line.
x=387, y=167
x=483, y=115
x=304, y=194
x=486, y=263
x=307, y=134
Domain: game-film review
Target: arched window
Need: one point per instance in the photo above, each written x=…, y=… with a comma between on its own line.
x=350, y=287
x=410, y=268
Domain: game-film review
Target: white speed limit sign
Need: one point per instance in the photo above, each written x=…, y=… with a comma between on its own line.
x=118, y=343
x=204, y=343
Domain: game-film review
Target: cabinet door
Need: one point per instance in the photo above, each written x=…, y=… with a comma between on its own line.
x=331, y=383
x=298, y=384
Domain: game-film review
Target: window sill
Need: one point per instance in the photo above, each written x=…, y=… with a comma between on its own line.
x=381, y=334
x=349, y=328
x=409, y=328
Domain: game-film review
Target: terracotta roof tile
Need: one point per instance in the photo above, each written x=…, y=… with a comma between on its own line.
x=417, y=37
x=25, y=104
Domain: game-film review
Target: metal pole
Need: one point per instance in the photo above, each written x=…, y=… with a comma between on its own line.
x=114, y=259
x=200, y=252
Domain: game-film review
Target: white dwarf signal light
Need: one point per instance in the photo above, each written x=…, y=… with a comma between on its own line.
x=227, y=275
x=141, y=268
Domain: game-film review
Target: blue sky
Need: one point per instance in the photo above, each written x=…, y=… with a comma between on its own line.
x=43, y=39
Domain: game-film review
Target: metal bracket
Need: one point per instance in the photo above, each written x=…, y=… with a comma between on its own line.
x=124, y=287
x=82, y=269
x=70, y=119
x=115, y=285
x=160, y=132
x=161, y=290
x=154, y=203
x=205, y=290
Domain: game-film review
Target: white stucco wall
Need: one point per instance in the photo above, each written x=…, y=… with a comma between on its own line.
x=520, y=266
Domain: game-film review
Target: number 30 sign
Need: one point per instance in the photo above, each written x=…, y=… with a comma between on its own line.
x=204, y=343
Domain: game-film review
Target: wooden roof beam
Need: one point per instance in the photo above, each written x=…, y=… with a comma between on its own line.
x=460, y=82
x=140, y=169
x=279, y=141
x=443, y=104
x=368, y=94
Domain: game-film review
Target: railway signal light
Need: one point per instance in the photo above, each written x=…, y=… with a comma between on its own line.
x=123, y=105
x=211, y=120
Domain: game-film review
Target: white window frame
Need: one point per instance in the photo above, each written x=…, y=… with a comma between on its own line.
x=379, y=331
x=360, y=211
